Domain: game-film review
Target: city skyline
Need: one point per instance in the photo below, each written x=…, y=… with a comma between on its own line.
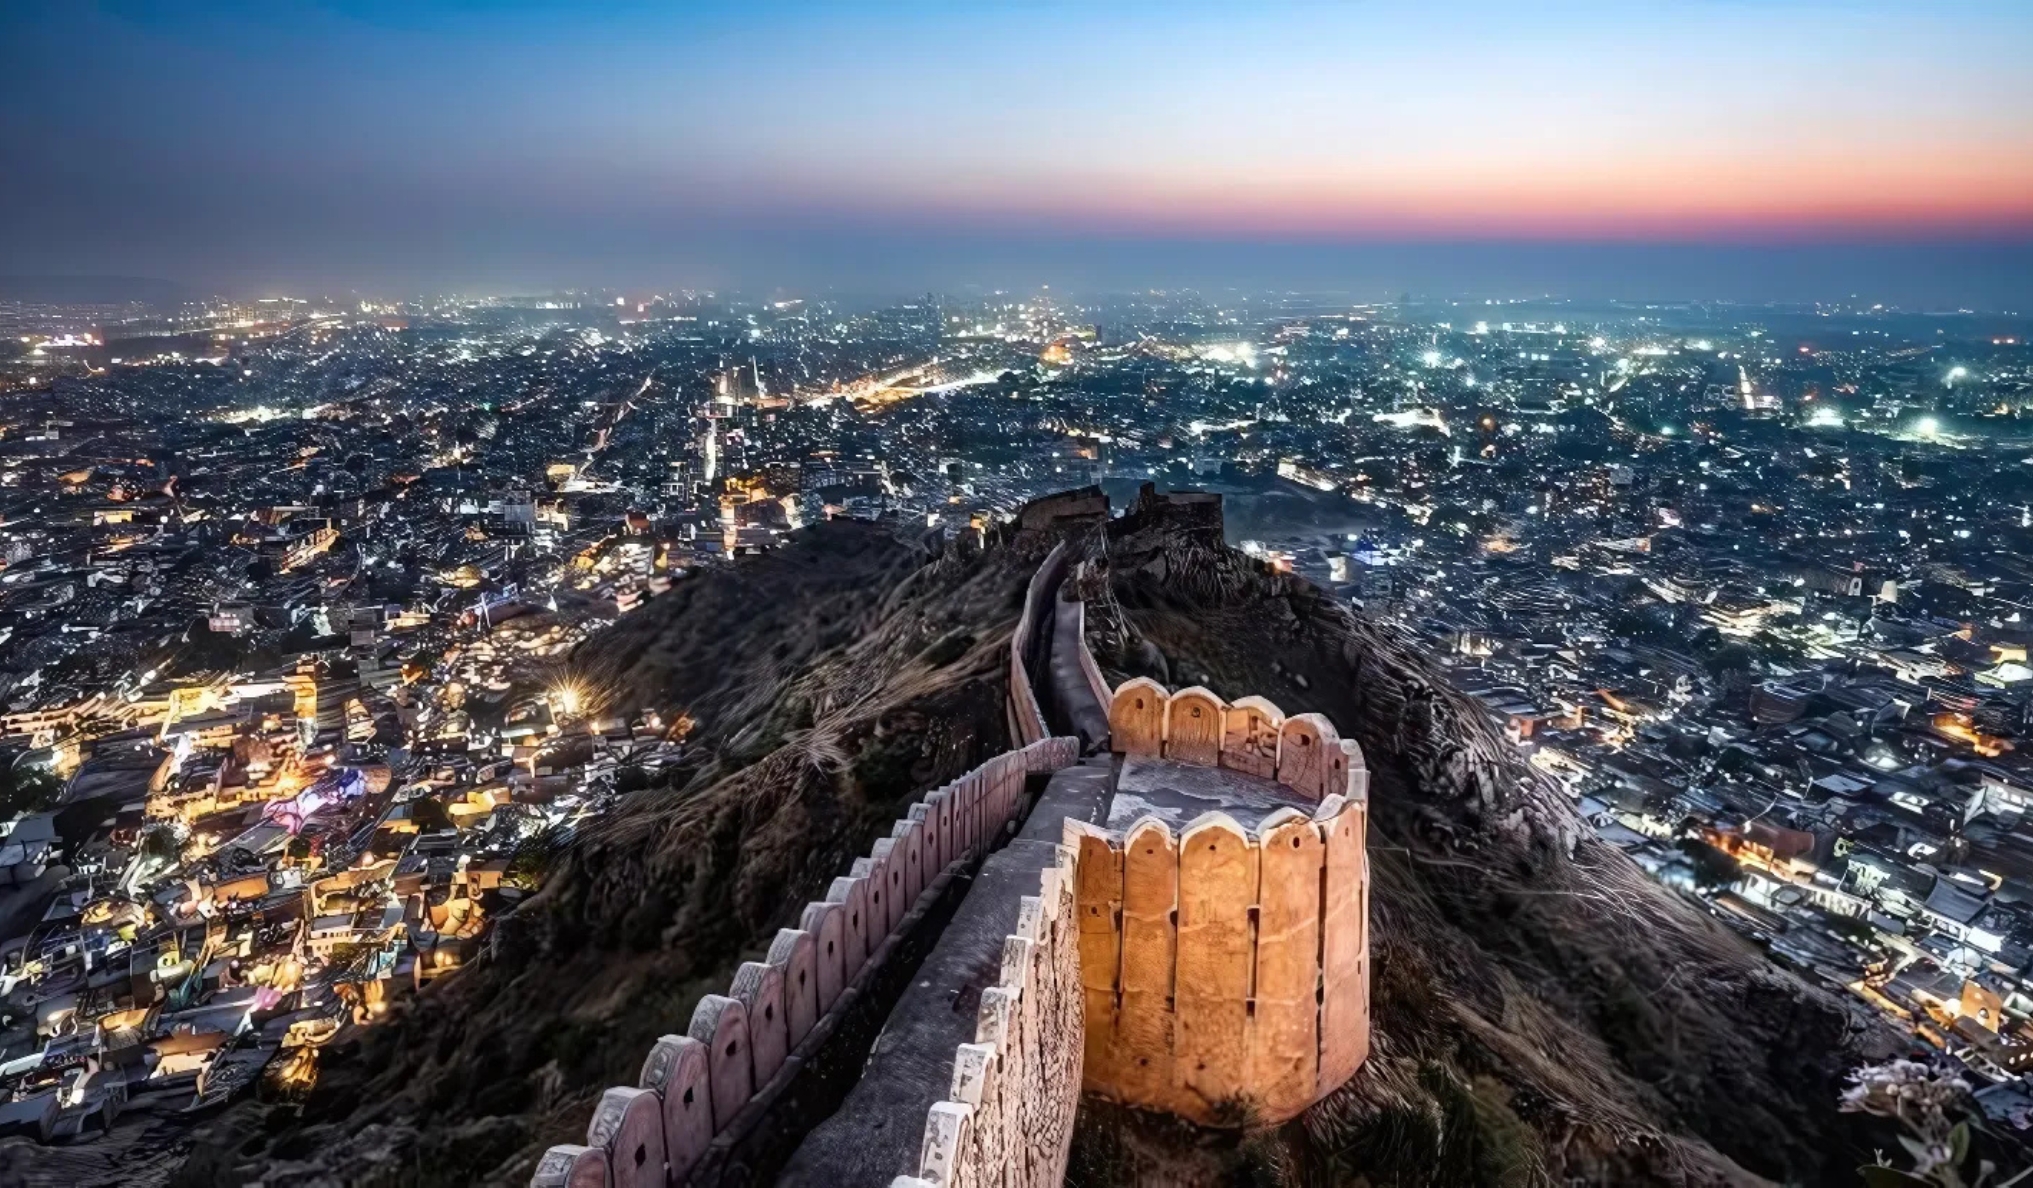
x=1586, y=149
x=394, y=691
x=850, y=593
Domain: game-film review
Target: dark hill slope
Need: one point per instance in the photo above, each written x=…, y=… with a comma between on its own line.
x=1543, y=1011
x=829, y=683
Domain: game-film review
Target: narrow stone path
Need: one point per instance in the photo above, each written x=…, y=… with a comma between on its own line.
x=1072, y=697
x=876, y=1133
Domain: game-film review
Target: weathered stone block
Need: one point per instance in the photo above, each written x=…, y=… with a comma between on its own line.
x=569, y=1165
x=628, y=1124
x=1193, y=719
x=1284, y=1048
x=794, y=955
x=1142, y=1064
x=676, y=1070
x=760, y=988
x=909, y=840
x=973, y=794
x=1344, y=1008
x=883, y=857
x=851, y=893
x=1249, y=737
x=1309, y=756
x=1217, y=885
x=945, y=1144
x=1357, y=774
x=950, y=845
x=721, y=1023
x=1098, y=910
x=1136, y=718
x=825, y=921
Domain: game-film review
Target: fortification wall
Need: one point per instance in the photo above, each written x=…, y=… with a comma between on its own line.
x=742, y=1048
x=1008, y=1118
x=709, y=1087
x=1027, y=718
x=1226, y=970
x=1219, y=973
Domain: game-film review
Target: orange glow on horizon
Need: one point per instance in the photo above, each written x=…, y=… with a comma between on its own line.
x=1663, y=195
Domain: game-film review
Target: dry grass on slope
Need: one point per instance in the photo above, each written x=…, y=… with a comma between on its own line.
x=830, y=684
x=1543, y=1011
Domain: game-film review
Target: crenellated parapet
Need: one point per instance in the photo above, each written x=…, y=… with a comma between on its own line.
x=1251, y=736
x=741, y=1048
x=1008, y=1116
x=1225, y=958
x=1224, y=969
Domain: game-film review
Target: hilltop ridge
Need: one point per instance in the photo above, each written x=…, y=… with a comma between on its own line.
x=1542, y=1009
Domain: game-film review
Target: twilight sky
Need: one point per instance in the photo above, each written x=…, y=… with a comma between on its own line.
x=1647, y=148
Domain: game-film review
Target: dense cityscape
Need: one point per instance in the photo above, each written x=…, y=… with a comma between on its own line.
x=1103, y=595
x=288, y=587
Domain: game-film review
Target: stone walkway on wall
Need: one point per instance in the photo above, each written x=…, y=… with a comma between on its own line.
x=878, y=1131
x=1178, y=793
x=1082, y=715
x=903, y=1118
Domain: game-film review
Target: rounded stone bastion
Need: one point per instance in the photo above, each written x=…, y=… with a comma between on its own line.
x=1223, y=909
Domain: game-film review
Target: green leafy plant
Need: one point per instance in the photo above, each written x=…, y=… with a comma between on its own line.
x=1924, y=1101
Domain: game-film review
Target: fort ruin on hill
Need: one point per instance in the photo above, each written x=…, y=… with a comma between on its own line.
x=1535, y=1009
x=1162, y=901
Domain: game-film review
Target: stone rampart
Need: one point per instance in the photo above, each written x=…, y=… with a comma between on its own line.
x=1220, y=975
x=1008, y=1118
x=1225, y=970
x=1303, y=752
x=742, y=1049
x=1027, y=718
x=1220, y=972
x=1215, y=967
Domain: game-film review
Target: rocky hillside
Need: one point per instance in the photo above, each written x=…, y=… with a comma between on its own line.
x=827, y=685
x=1544, y=1013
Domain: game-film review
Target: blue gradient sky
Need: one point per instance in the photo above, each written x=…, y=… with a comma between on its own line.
x=382, y=144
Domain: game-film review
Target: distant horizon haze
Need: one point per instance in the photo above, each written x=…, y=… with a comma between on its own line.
x=1984, y=277
x=1690, y=149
